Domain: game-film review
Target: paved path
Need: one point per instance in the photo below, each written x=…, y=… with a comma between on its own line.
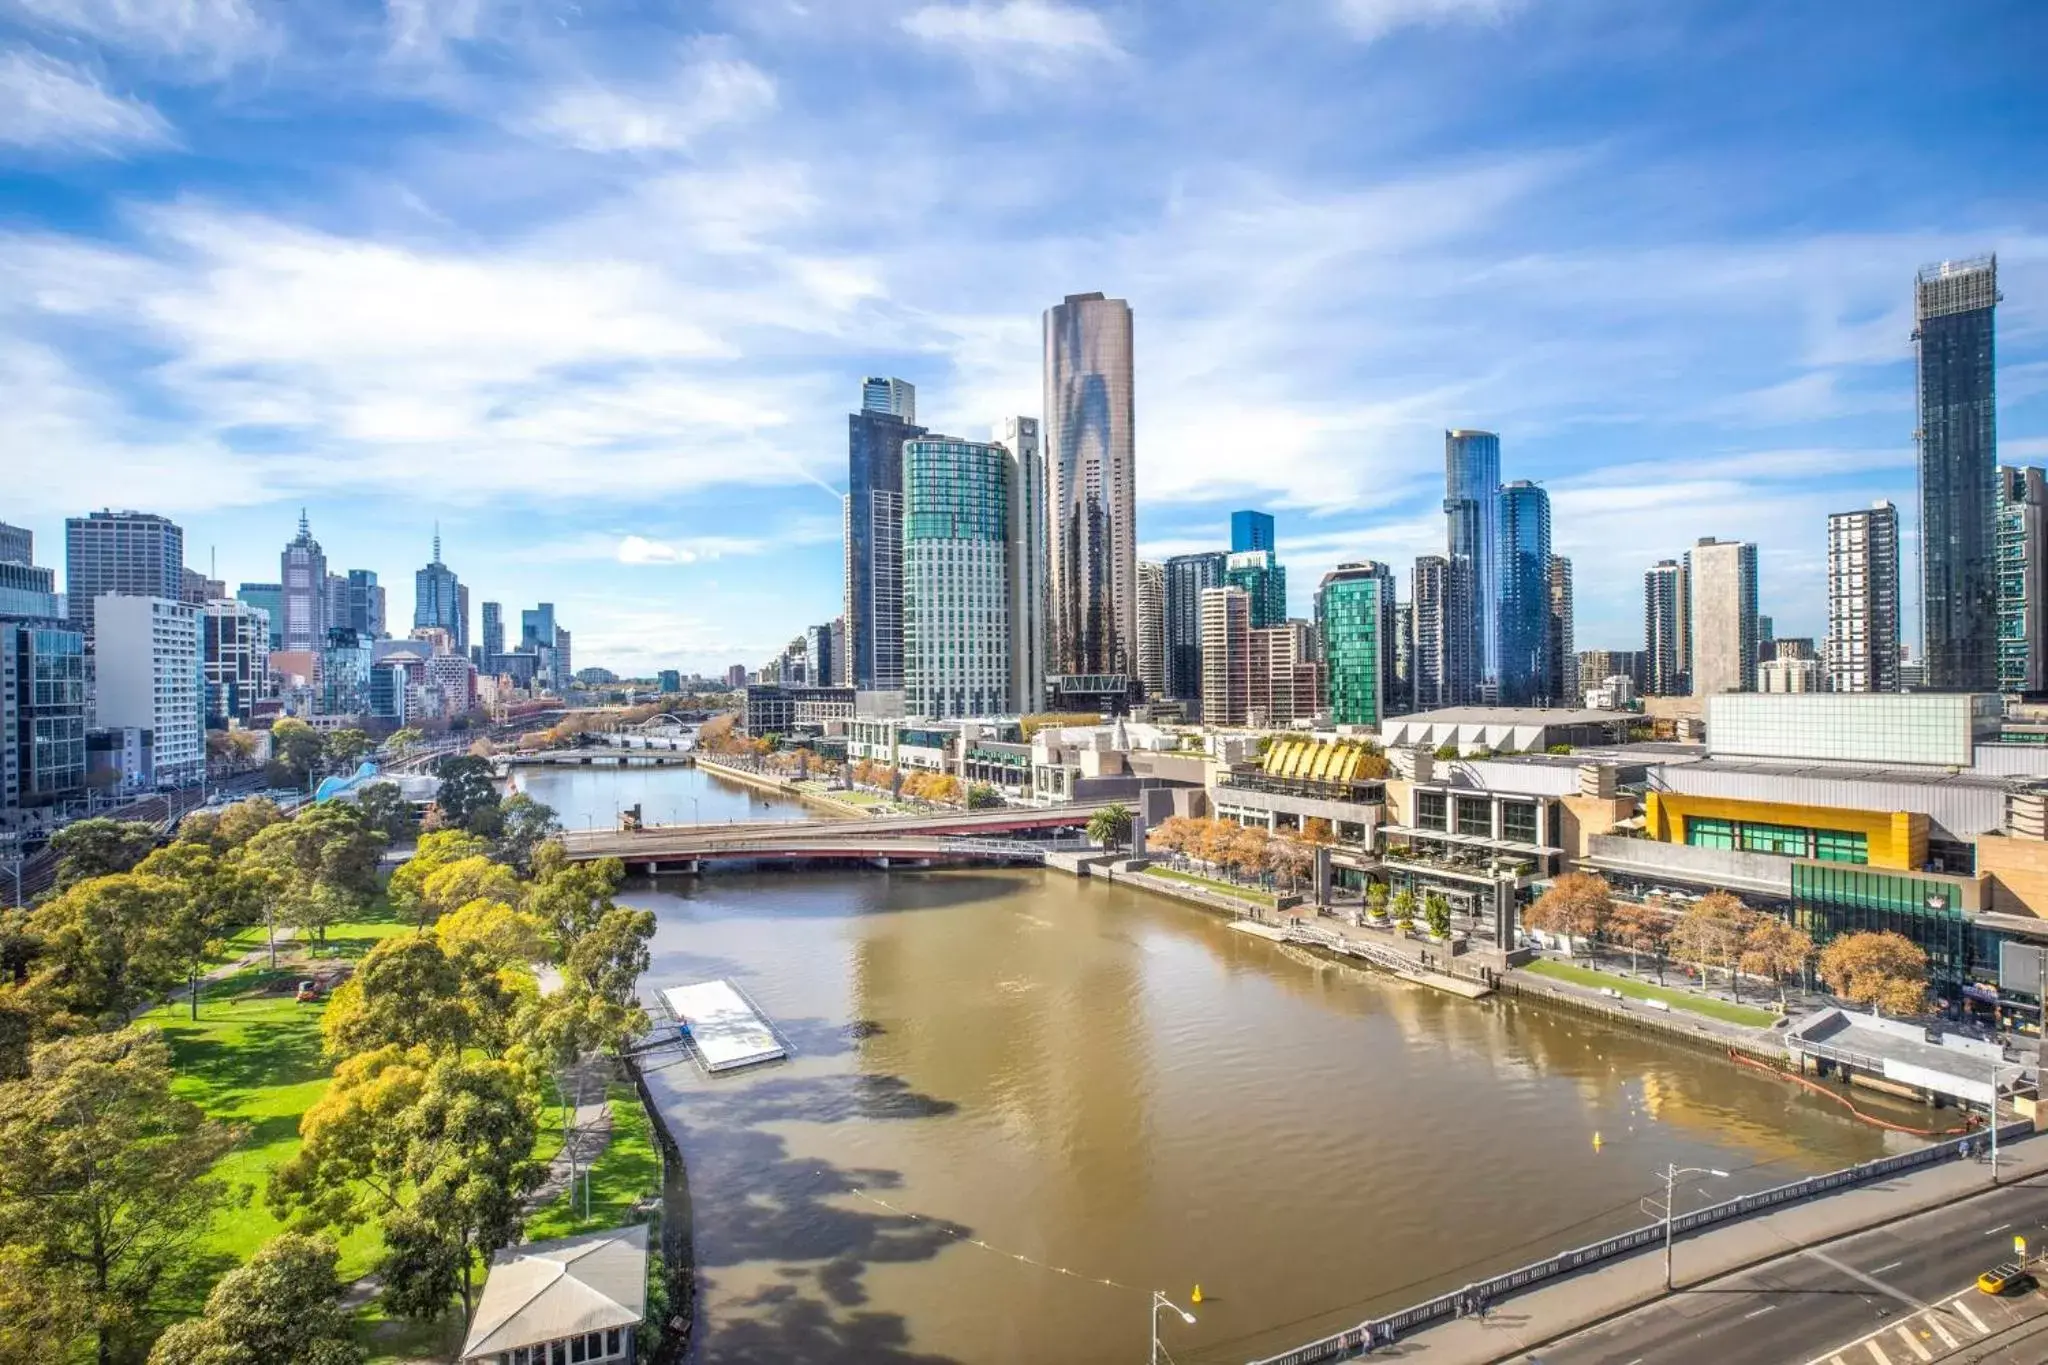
x=1523, y=1326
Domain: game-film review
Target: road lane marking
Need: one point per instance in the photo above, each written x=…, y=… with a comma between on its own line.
x=1941, y=1331
x=1893, y=1266
x=1767, y=1308
x=1837, y=1360
x=1914, y=1343
x=1993, y=1232
x=1975, y=1321
x=1878, y=1351
x=1853, y=1273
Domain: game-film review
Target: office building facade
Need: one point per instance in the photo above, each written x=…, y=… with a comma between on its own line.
x=1445, y=663
x=302, y=570
x=1563, y=687
x=892, y=397
x=2022, y=548
x=150, y=675
x=127, y=554
x=1863, y=601
x=1019, y=438
x=1524, y=668
x=1667, y=630
x=17, y=544
x=1355, y=621
x=235, y=648
x=1152, y=627
x=494, y=632
x=1721, y=583
x=42, y=687
x=874, y=549
x=1264, y=579
x=956, y=581
x=1283, y=683
x=1226, y=655
x=1472, y=529
x=438, y=603
x=1186, y=578
x=269, y=599
x=1250, y=531
x=1954, y=304
x=1091, y=488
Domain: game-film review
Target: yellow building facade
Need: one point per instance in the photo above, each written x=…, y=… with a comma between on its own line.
x=1889, y=839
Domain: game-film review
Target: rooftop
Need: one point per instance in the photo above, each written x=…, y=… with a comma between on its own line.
x=1958, y=1066
x=545, y=1291
x=1893, y=774
x=1515, y=715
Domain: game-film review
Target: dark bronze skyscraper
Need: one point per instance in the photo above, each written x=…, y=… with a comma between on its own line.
x=1952, y=311
x=1091, y=490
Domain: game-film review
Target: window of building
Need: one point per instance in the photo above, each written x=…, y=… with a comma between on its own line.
x=1786, y=841
x=1518, y=821
x=1704, y=831
x=1430, y=810
x=1841, y=846
x=1475, y=816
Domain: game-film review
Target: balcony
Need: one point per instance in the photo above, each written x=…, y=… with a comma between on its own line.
x=1353, y=793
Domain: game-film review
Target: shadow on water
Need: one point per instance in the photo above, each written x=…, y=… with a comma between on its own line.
x=821, y=892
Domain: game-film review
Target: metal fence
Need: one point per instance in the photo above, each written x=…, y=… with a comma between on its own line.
x=1386, y=1330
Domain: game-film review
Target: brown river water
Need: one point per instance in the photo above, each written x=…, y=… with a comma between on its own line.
x=1017, y=1103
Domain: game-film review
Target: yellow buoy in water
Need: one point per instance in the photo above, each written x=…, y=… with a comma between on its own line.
x=1196, y=1297
x=1596, y=1142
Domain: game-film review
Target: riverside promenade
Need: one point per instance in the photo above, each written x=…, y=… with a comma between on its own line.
x=1519, y=1328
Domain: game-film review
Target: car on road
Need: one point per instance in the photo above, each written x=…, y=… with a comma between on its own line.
x=2001, y=1279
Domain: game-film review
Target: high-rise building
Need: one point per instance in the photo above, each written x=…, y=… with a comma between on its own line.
x=2022, y=580
x=235, y=650
x=150, y=675
x=894, y=397
x=1721, y=580
x=1186, y=577
x=1522, y=627
x=1283, y=684
x=494, y=633
x=195, y=589
x=537, y=627
x=1152, y=627
x=1863, y=601
x=1563, y=688
x=17, y=544
x=438, y=601
x=303, y=569
x=365, y=604
x=1226, y=655
x=1445, y=662
x=1019, y=438
x=42, y=686
x=736, y=675
x=1355, y=618
x=1403, y=698
x=838, y=653
x=956, y=581
x=337, y=601
x=1250, y=531
x=1260, y=573
x=1667, y=631
x=1091, y=486
x=127, y=554
x=1596, y=666
x=874, y=549
x=1953, y=307
x=669, y=680
x=269, y=599
x=1472, y=526
x=346, y=661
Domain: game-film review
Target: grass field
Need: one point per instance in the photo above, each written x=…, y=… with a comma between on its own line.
x=1245, y=893
x=1726, y=1011
x=628, y=1171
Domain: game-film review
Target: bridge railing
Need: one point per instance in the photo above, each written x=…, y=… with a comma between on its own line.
x=1017, y=848
x=1384, y=1331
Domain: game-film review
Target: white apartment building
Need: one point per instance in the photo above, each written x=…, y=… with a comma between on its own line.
x=1863, y=600
x=1226, y=655
x=150, y=670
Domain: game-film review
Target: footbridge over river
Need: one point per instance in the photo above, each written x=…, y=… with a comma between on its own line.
x=1010, y=835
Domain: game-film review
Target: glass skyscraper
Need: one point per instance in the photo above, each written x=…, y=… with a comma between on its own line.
x=123, y=554
x=956, y=617
x=1524, y=604
x=1152, y=627
x=874, y=549
x=1260, y=573
x=1250, y=531
x=1471, y=490
x=1667, y=626
x=1091, y=492
x=438, y=601
x=1186, y=576
x=1355, y=617
x=303, y=570
x=1958, y=436
x=892, y=397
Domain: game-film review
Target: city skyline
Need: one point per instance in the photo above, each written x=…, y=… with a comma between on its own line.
x=648, y=431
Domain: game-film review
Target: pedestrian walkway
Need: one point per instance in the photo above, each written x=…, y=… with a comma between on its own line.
x=1517, y=1326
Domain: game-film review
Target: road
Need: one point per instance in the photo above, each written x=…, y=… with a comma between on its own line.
x=1899, y=1295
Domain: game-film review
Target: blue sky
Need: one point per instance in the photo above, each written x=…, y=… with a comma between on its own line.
x=594, y=284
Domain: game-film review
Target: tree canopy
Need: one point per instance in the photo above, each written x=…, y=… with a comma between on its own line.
x=281, y=1308
x=1885, y=971
x=99, y=846
x=468, y=796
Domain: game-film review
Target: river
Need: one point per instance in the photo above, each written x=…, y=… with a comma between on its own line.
x=1017, y=1103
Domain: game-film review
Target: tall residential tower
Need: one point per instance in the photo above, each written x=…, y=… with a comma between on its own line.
x=1091, y=485
x=1471, y=494
x=1953, y=306
x=1863, y=599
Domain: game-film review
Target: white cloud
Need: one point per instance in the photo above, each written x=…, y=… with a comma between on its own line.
x=423, y=28
x=1371, y=19
x=48, y=104
x=703, y=95
x=205, y=32
x=1017, y=29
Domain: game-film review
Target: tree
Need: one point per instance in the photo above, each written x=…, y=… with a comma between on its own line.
x=1436, y=912
x=1576, y=905
x=1247, y=849
x=473, y=878
x=1885, y=971
x=344, y=749
x=610, y=960
x=1403, y=907
x=525, y=824
x=1710, y=934
x=1111, y=826
x=219, y=897
x=1376, y=899
x=408, y=993
x=1289, y=858
x=105, y=952
x=496, y=933
x=98, y=847
x=576, y=897
x=981, y=796
x=468, y=795
x=383, y=808
x=320, y=868
x=436, y=850
x=228, y=829
x=282, y=1308
x=402, y=741
x=104, y=1181
x=1775, y=949
x=297, y=749
x=1317, y=831
x=1640, y=928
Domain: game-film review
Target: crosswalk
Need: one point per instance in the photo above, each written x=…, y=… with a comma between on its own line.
x=1920, y=1338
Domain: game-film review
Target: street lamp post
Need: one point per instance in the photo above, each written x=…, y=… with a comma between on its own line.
x=1997, y=1073
x=1671, y=1174
x=1160, y=1301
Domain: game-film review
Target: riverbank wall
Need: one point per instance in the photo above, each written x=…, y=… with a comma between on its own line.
x=677, y=1244
x=781, y=786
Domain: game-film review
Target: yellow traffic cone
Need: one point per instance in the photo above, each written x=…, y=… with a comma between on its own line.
x=1196, y=1297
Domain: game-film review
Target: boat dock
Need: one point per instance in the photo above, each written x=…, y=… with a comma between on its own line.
x=721, y=1025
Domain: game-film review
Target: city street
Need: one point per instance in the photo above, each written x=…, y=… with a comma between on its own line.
x=1898, y=1295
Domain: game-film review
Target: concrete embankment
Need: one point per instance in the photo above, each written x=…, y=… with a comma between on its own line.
x=678, y=1255
x=781, y=786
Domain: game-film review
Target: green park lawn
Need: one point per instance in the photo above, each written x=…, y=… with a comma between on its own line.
x=1724, y=1010
x=626, y=1173
x=1246, y=893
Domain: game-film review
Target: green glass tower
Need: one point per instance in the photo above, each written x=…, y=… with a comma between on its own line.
x=1259, y=573
x=1355, y=618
